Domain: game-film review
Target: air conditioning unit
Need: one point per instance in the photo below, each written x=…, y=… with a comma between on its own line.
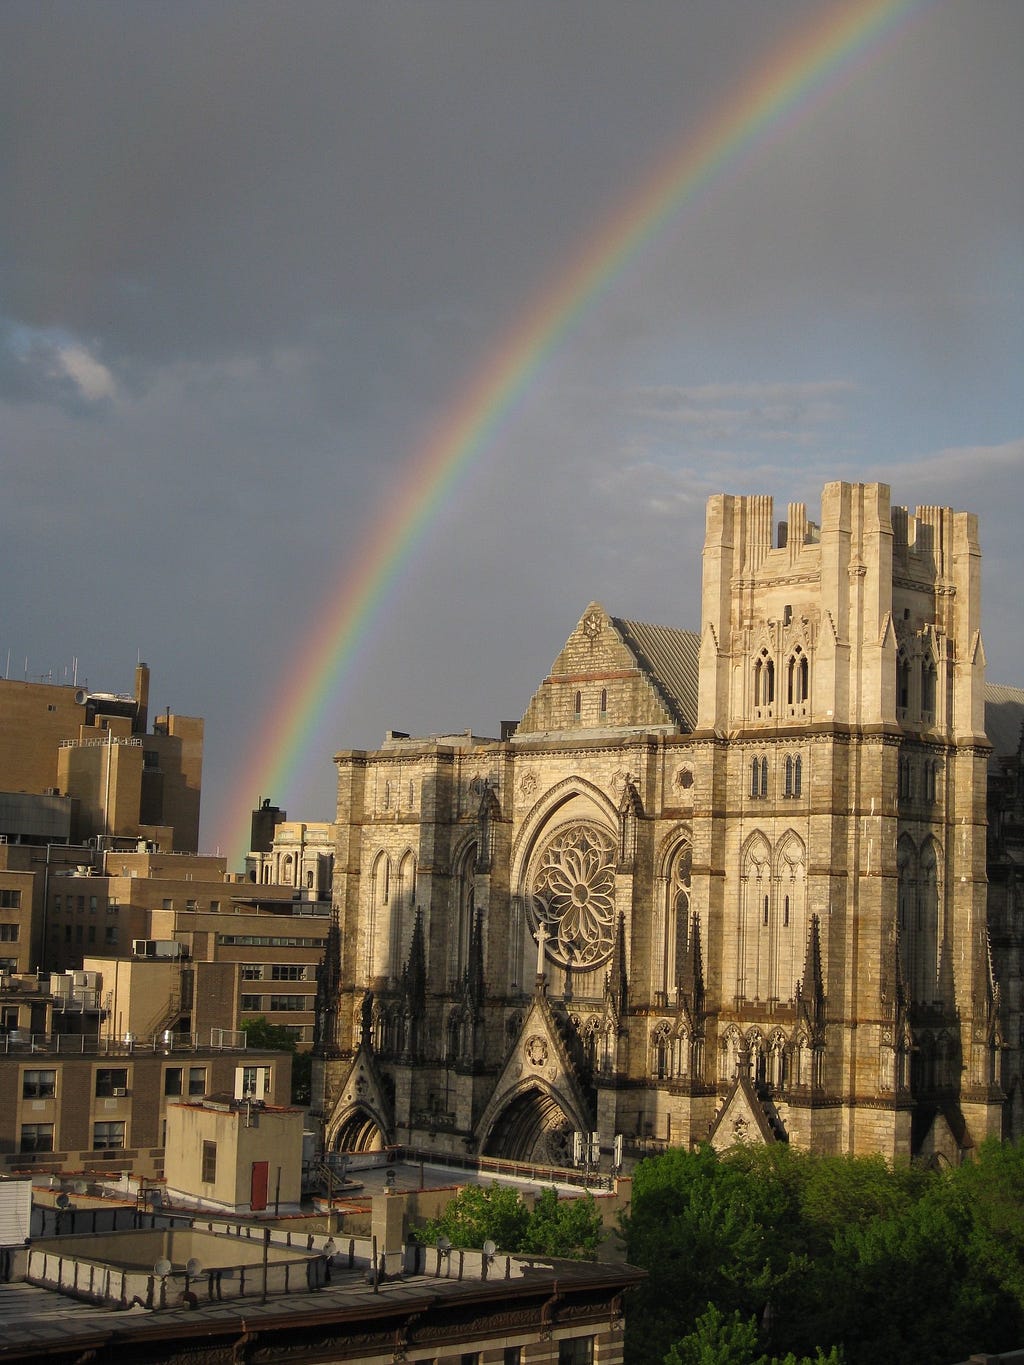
x=143, y=947
x=119, y=1092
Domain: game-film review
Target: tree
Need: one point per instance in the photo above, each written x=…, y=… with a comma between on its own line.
x=564, y=1227
x=556, y=1227
x=260, y=1032
x=477, y=1213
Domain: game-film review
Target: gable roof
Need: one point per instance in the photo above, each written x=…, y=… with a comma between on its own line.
x=671, y=658
x=1004, y=716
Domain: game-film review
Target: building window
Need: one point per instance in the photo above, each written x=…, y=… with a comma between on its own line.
x=67, y=933
x=36, y=1137
x=111, y=934
x=92, y=933
x=252, y=971
x=111, y=1080
x=759, y=777
x=108, y=1136
x=215, y=907
x=78, y=933
x=80, y=904
x=512, y=1355
x=93, y=903
x=167, y=903
x=172, y=1080
x=288, y=971
x=797, y=678
x=38, y=1085
x=255, y=1082
x=290, y=1002
x=604, y=701
x=56, y=905
x=191, y=905
x=209, y=1163
x=576, y=1351
x=252, y=1002
x=197, y=1080
x=577, y=705
x=764, y=681
x=9, y=900
x=9, y=933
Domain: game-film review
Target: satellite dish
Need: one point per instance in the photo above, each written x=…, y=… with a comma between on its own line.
x=63, y=1202
x=162, y=1268
x=193, y=1267
x=489, y=1248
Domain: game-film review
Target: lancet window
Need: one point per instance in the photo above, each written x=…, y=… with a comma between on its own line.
x=677, y=915
x=764, y=684
x=797, y=682
x=759, y=777
x=794, y=775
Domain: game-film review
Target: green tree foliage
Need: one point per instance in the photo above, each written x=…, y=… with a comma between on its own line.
x=260, y=1032
x=720, y=1340
x=555, y=1227
x=820, y=1253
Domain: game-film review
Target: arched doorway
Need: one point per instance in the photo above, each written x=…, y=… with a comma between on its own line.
x=533, y=1127
x=359, y=1131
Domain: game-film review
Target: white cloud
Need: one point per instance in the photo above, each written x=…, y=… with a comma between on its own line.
x=93, y=379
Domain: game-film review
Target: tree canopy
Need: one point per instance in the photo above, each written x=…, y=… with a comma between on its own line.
x=765, y=1254
x=568, y=1227
x=260, y=1032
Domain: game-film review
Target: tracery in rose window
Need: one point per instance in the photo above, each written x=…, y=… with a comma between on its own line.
x=573, y=895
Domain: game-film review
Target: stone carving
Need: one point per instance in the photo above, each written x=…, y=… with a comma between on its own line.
x=573, y=895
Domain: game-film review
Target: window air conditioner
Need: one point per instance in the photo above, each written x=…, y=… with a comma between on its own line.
x=119, y=1092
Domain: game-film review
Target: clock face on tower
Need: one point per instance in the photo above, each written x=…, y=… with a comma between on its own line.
x=572, y=893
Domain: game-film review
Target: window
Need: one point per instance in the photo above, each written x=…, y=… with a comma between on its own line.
x=197, y=1080
x=111, y=934
x=267, y=941
x=290, y=1002
x=764, y=681
x=604, y=701
x=67, y=933
x=9, y=933
x=759, y=777
x=576, y=1351
x=512, y=1355
x=36, y=1137
x=288, y=971
x=113, y=906
x=80, y=904
x=167, y=903
x=108, y=1136
x=150, y=758
x=191, y=905
x=252, y=1002
x=577, y=705
x=255, y=1082
x=9, y=900
x=78, y=933
x=215, y=907
x=209, y=1162
x=172, y=1080
x=38, y=1085
x=797, y=678
x=110, y=1079
x=93, y=903
x=252, y=971
x=56, y=905
x=92, y=933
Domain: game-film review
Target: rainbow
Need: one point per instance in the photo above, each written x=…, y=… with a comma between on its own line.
x=807, y=69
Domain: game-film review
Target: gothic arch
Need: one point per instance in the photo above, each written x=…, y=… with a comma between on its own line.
x=754, y=917
x=403, y=911
x=357, y=1129
x=462, y=909
x=674, y=892
x=572, y=803
x=377, y=917
x=533, y=1123
x=788, y=917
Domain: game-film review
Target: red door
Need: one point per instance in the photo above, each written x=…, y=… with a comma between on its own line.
x=258, y=1185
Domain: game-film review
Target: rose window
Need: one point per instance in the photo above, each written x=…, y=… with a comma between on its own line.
x=573, y=895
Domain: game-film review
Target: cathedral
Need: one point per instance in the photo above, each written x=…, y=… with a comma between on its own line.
x=719, y=886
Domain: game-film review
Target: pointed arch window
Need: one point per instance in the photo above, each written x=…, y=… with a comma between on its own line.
x=794, y=775
x=677, y=915
x=604, y=702
x=764, y=683
x=928, y=690
x=797, y=679
x=577, y=706
x=902, y=684
x=759, y=777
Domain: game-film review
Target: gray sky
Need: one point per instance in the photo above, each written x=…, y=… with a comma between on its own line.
x=251, y=254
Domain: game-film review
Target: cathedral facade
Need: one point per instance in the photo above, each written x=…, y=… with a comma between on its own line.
x=727, y=885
